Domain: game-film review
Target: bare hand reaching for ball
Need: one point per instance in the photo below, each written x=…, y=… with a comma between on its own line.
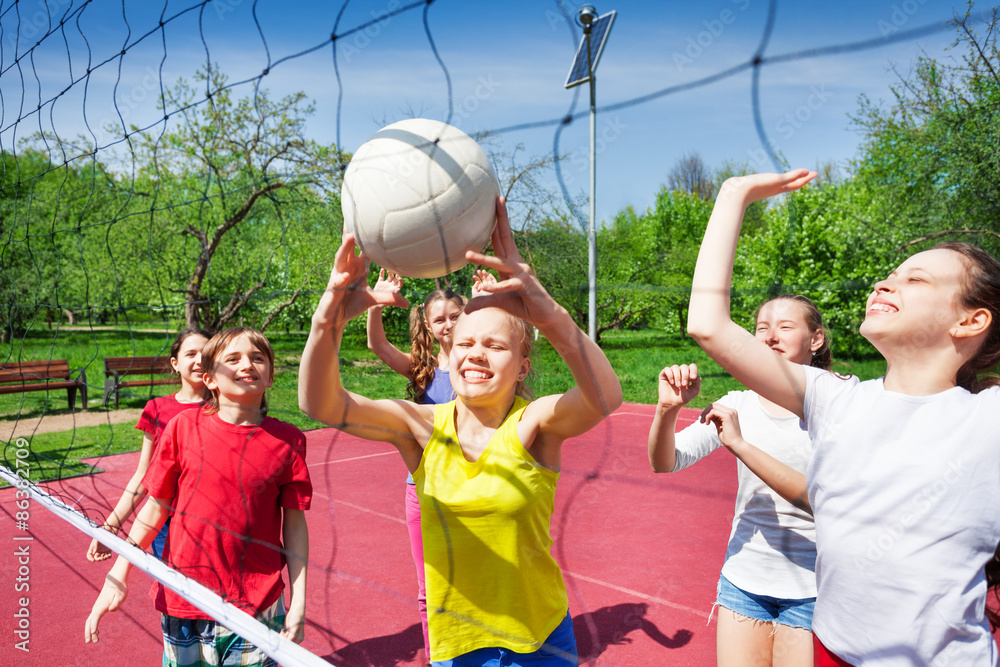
x=518, y=290
x=347, y=293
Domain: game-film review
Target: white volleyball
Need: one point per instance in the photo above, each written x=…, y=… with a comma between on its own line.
x=418, y=195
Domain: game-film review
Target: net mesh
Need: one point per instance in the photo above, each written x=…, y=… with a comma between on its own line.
x=143, y=188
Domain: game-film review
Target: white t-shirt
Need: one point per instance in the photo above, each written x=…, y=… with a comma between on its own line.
x=906, y=494
x=772, y=546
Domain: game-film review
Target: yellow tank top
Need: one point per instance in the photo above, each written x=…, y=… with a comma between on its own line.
x=491, y=581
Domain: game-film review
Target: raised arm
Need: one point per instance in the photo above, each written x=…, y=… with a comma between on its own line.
x=145, y=527
x=677, y=386
x=390, y=355
x=598, y=392
x=321, y=394
x=786, y=481
x=709, y=319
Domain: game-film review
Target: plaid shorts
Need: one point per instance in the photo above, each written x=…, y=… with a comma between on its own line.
x=194, y=642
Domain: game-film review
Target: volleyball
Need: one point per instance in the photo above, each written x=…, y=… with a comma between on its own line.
x=418, y=195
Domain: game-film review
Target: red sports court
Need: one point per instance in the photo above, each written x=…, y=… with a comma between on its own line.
x=641, y=554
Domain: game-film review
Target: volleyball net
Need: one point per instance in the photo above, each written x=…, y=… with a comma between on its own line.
x=150, y=183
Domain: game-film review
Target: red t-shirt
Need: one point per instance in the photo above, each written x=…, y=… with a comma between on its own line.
x=158, y=413
x=229, y=484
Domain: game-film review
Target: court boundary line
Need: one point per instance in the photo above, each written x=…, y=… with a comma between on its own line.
x=629, y=591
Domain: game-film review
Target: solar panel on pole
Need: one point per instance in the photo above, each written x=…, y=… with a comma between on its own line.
x=581, y=70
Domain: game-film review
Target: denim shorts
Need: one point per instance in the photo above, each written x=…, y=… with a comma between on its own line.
x=796, y=613
x=559, y=650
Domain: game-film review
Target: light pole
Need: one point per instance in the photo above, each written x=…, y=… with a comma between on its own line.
x=595, y=34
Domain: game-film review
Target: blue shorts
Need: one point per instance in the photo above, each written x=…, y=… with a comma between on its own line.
x=795, y=613
x=559, y=650
x=161, y=538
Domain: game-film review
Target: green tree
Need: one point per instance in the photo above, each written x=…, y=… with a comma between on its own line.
x=931, y=160
x=48, y=207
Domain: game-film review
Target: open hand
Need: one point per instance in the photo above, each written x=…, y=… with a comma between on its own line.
x=347, y=293
x=518, y=290
x=388, y=282
x=480, y=279
x=754, y=187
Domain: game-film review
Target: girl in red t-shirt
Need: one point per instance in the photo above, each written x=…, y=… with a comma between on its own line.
x=185, y=359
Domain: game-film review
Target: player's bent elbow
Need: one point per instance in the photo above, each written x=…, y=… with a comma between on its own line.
x=658, y=467
x=698, y=331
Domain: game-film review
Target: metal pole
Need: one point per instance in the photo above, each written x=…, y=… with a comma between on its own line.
x=592, y=231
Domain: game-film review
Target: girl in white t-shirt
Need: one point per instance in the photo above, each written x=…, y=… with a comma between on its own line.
x=904, y=480
x=767, y=588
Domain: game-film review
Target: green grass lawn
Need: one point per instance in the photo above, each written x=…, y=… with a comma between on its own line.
x=637, y=357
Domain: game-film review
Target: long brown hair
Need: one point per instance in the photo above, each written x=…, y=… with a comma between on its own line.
x=980, y=288
x=217, y=344
x=823, y=356
x=423, y=361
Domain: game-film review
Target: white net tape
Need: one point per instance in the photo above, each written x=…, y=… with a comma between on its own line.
x=285, y=651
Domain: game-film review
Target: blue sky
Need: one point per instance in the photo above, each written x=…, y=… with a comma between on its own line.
x=507, y=63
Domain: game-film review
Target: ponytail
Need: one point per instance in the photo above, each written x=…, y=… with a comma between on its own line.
x=423, y=361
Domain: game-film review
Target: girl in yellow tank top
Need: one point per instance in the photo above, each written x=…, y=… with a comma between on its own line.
x=486, y=464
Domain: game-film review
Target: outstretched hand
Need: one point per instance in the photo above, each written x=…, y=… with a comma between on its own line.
x=479, y=279
x=388, y=282
x=754, y=187
x=518, y=290
x=347, y=293
x=678, y=385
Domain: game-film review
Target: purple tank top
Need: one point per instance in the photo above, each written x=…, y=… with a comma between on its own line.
x=439, y=390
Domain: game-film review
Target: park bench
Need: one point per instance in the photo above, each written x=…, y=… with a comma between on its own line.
x=19, y=377
x=124, y=372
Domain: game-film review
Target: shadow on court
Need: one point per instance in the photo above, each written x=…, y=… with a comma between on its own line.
x=384, y=651
x=595, y=632
x=610, y=626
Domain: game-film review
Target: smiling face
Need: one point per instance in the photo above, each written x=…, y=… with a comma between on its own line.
x=187, y=362
x=440, y=317
x=782, y=326
x=486, y=356
x=917, y=305
x=240, y=373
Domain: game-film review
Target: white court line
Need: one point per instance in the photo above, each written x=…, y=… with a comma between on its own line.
x=363, y=509
x=637, y=594
x=355, y=458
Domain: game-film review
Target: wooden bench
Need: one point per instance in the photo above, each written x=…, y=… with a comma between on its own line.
x=19, y=377
x=124, y=372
